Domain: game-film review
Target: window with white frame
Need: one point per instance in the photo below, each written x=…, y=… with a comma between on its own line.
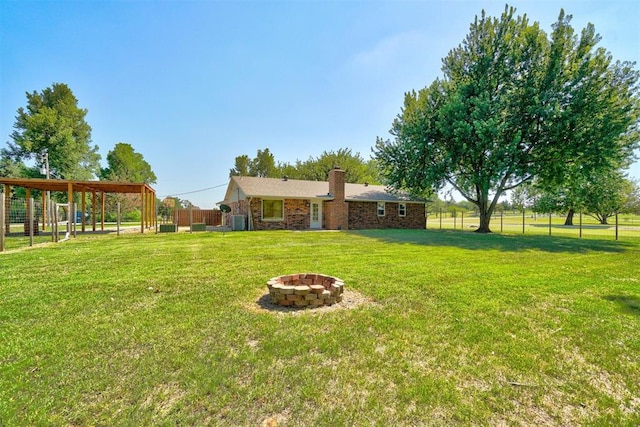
x=272, y=210
x=380, y=208
x=402, y=209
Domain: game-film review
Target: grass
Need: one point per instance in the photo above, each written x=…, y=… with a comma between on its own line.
x=461, y=329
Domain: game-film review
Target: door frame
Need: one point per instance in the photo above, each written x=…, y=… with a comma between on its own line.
x=315, y=224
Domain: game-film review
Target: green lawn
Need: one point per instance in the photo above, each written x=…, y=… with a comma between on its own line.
x=460, y=328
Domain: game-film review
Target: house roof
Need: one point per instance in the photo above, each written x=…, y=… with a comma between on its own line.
x=300, y=189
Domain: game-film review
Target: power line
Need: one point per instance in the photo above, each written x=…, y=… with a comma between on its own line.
x=195, y=191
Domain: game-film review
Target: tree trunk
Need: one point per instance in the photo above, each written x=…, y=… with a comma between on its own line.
x=485, y=219
x=569, y=220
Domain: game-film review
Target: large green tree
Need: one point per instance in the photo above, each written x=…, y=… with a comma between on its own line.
x=52, y=128
x=600, y=196
x=514, y=104
x=607, y=196
x=357, y=169
x=124, y=164
x=263, y=165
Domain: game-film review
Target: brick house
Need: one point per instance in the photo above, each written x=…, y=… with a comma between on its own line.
x=289, y=204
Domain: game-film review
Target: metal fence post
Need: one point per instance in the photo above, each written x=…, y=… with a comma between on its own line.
x=461, y=220
x=549, y=223
x=501, y=221
x=580, y=234
x=118, y=220
x=616, y=225
x=440, y=218
x=523, y=218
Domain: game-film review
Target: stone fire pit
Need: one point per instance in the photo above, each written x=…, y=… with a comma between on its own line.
x=305, y=290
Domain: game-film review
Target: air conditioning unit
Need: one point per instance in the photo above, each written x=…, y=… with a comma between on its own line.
x=238, y=222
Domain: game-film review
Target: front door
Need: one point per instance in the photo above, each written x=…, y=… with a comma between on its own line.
x=316, y=214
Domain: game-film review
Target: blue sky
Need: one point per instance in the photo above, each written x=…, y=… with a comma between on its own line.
x=193, y=84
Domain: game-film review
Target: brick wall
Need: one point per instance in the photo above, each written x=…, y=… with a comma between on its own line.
x=364, y=215
x=297, y=216
x=240, y=207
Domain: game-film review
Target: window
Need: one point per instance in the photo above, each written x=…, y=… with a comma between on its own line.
x=402, y=209
x=272, y=210
x=380, y=208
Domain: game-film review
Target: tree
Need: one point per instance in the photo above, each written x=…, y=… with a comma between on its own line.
x=52, y=124
x=513, y=105
x=357, y=170
x=124, y=164
x=632, y=198
x=263, y=165
x=243, y=164
x=12, y=169
x=600, y=195
x=604, y=197
x=313, y=169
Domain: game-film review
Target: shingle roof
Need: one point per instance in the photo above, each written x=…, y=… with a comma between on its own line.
x=299, y=189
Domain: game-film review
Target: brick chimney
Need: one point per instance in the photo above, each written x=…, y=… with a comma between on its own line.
x=337, y=209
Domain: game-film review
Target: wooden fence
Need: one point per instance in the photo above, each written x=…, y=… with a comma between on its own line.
x=207, y=216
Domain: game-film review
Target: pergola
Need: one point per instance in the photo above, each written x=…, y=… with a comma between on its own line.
x=147, y=195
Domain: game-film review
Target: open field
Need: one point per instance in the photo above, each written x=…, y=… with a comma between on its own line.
x=449, y=328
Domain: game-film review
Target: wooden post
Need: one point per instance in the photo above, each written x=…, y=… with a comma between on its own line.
x=549, y=223
x=54, y=222
x=102, y=200
x=93, y=213
x=2, y=221
x=142, y=205
x=70, y=219
x=29, y=222
x=30, y=217
x=7, y=209
x=44, y=210
x=523, y=218
x=149, y=209
x=83, y=206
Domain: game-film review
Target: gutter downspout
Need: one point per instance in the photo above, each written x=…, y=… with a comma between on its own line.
x=250, y=225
